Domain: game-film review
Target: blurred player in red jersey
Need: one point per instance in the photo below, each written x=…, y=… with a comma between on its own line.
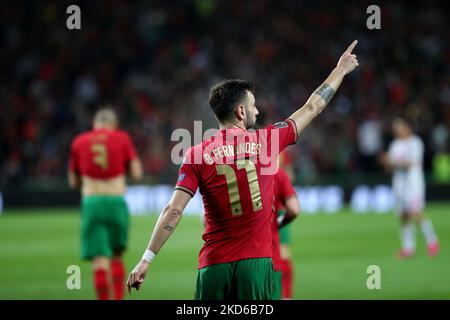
x=286, y=197
x=233, y=170
x=99, y=162
x=287, y=273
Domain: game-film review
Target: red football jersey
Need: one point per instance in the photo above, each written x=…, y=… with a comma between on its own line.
x=234, y=171
x=283, y=190
x=101, y=153
x=285, y=159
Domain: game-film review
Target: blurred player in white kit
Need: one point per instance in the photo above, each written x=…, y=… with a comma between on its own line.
x=405, y=159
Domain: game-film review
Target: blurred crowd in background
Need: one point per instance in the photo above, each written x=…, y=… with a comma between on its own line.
x=156, y=60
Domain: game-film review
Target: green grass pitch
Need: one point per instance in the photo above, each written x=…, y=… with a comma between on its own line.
x=331, y=255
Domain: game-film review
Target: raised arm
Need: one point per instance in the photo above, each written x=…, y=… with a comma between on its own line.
x=322, y=96
x=165, y=226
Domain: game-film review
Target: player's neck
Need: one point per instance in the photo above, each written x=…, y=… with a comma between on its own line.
x=103, y=127
x=232, y=125
x=406, y=137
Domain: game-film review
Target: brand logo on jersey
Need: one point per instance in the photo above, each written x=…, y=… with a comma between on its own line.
x=181, y=177
x=280, y=124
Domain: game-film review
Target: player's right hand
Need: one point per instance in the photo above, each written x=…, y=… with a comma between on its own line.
x=137, y=276
x=348, y=61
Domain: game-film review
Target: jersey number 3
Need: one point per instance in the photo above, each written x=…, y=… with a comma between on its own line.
x=233, y=190
x=100, y=155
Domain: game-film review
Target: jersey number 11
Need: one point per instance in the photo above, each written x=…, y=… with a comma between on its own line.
x=233, y=190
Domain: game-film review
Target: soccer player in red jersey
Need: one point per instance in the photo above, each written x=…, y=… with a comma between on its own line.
x=287, y=272
x=99, y=162
x=234, y=171
x=284, y=196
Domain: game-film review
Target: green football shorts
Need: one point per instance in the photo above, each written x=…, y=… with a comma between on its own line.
x=285, y=232
x=276, y=285
x=104, y=226
x=248, y=279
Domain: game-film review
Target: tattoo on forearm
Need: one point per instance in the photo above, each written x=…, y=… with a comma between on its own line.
x=168, y=227
x=326, y=92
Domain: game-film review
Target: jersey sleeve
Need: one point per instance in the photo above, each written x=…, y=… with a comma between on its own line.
x=73, y=158
x=129, y=149
x=286, y=131
x=188, y=175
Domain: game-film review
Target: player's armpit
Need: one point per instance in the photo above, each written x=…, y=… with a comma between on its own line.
x=74, y=180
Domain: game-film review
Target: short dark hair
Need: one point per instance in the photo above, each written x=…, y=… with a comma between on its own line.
x=224, y=96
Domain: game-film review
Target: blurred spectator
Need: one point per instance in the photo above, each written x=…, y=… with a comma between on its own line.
x=156, y=61
x=369, y=143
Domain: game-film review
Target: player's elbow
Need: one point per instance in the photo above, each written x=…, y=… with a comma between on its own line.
x=293, y=208
x=173, y=212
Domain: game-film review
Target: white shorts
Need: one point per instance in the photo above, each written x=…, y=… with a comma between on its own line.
x=410, y=203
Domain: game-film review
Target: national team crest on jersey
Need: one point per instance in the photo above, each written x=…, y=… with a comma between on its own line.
x=181, y=176
x=280, y=124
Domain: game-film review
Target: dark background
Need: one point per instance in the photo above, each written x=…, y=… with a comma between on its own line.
x=155, y=61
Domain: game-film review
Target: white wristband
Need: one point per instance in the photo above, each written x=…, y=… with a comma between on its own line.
x=148, y=255
x=280, y=219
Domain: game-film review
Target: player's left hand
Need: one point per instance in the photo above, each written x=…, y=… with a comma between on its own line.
x=348, y=61
x=137, y=276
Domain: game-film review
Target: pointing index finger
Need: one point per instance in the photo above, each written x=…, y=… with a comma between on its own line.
x=350, y=48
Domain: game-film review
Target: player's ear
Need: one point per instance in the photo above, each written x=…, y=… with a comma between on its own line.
x=240, y=112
